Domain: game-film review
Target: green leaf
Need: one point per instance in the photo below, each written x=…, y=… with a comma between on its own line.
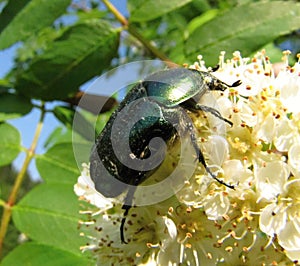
x=13, y=106
x=59, y=165
x=199, y=21
x=35, y=254
x=21, y=20
x=10, y=11
x=245, y=28
x=82, y=52
x=144, y=10
x=49, y=214
x=80, y=124
x=10, y=144
x=58, y=135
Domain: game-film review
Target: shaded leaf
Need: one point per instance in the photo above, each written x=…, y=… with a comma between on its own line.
x=245, y=28
x=80, y=124
x=10, y=144
x=11, y=9
x=144, y=10
x=49, y=214
x=82, y=52
x=13, y=106
x=35, y=254
x=21, y=20
x=59, y=165
x=58, y=135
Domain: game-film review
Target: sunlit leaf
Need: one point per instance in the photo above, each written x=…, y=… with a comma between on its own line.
x=35, y=254
x=143, y=10
x=59, y=165
x=20, y=20
x=49, y=214
x=10, y=144
x=245, y=28
x=82, y=52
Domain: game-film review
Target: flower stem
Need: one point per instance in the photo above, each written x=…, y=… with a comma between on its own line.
x=153, y=50
x=7, y=211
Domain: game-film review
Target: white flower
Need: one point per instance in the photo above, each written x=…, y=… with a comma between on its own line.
x=282, y=218
x=271, y=178
x=85, y=188
x=294, y=159
x=205, y=222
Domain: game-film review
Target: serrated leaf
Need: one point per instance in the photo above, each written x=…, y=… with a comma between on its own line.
x=35, y=254
x=22, y=20
x=82, y=52
x=13, y=106
x=49, y=214
x=10, y=144
x=60, y=165
x=245, y=28
x=144, y=10
x=80, y=124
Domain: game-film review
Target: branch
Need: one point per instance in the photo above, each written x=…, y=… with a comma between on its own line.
x=153, y=50
x=6, y=216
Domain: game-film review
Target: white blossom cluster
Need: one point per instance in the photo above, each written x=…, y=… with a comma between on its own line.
x=205, y=222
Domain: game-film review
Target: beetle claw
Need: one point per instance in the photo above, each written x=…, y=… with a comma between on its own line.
x=219, y=180
x=215, y=68
x=235, y=84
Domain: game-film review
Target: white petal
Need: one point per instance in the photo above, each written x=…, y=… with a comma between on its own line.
x=271, y=179
x=272, y=220
x=290, y=90
x=286, y=134
x=225, y=106
x=85, y=188
x=217, y=150
x=246, y=113
x=294, y=159
x=216, y=206
x=235, y=172
x=294, y=255
x=171, y=227
x=289, y=237
x=253, y=80
x=265, y=129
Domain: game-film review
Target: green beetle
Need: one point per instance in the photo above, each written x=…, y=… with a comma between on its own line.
x=154, y=108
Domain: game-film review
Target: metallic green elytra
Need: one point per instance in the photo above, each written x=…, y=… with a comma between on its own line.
x=154, y=108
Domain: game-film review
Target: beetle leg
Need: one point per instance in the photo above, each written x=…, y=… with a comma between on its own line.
x=213, y=111
x=201, y=157
x=126, y=206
